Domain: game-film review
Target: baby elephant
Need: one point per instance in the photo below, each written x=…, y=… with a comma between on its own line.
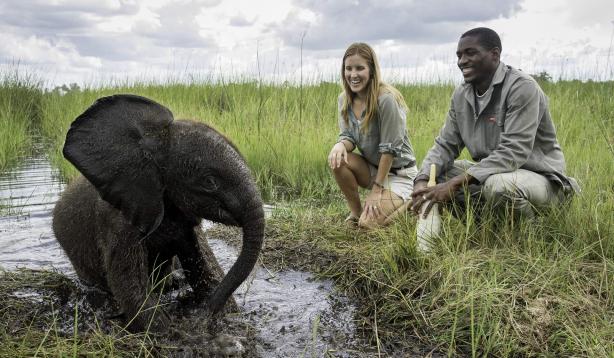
x=147, y=183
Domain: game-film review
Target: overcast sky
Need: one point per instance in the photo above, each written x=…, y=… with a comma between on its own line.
x=96, y=42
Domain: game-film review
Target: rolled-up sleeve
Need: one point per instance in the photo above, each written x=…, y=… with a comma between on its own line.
x=447, y=147
x=517, y=139
x=392, y=126
x=344, y=130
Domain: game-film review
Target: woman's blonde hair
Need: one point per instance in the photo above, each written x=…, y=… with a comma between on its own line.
x=375, y=87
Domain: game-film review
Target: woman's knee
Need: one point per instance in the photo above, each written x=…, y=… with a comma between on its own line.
x=340, y=168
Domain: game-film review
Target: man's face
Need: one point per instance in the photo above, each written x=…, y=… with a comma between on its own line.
x=477, y=64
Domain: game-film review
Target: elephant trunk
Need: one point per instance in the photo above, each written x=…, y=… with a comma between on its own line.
x=253, y=234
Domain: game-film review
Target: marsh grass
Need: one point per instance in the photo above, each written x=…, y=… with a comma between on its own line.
x=20, y=100
x=42, y=315
x=284, y=131
x=500, y=289
x=262, y=120
x=543, y=288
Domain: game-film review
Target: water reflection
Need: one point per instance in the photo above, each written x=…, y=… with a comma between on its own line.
x=27, y=196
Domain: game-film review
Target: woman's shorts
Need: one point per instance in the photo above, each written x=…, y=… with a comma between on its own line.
x=401, y=183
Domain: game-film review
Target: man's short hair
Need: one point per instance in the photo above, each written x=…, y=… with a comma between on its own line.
x=486, y=37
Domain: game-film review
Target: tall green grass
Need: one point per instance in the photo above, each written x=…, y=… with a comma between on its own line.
x=540, y=288
x=20, y=99
x=284, y=132
x=504, y=289
x=544, y=288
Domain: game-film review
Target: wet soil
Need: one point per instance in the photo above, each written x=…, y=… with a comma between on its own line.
x=301, y=316
x=285, y=311
x=45, y=301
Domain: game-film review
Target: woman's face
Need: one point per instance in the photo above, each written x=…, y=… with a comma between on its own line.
x=357, y=74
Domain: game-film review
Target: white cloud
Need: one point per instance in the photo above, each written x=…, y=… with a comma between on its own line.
x=335, y=24
x=81, y=41
x=561, y=37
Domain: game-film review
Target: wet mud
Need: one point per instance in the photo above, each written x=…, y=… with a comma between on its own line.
x=285, y=311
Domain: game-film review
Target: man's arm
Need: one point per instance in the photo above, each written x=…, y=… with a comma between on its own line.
x=446, y=148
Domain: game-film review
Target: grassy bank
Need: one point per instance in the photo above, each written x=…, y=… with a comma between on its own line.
x=20, y=99
x=508, y=290
x=539, y=289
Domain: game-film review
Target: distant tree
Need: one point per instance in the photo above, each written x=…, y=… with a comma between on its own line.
x=543, y=76
x=64, y=89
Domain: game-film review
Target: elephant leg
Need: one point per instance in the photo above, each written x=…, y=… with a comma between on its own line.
x=200, y=266
x=197, y=268
x=163, y=273
x=127, y=277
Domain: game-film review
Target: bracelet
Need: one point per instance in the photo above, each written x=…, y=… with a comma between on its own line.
x=375, y=183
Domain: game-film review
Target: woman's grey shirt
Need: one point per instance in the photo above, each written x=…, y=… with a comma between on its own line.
x=387, y=133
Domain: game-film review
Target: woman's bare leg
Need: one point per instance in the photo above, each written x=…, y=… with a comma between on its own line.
x=388, y=204
x=349, y=176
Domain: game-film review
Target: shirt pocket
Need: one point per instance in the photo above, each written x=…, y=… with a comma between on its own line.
x=494, y=123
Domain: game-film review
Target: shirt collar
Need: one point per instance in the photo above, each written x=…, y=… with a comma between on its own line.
x=496, y=79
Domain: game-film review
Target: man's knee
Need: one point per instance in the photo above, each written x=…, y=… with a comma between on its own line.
x=495, y=185
x=503, y=187
x=507, y=191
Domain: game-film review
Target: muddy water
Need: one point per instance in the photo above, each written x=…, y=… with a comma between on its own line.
x=293, y=313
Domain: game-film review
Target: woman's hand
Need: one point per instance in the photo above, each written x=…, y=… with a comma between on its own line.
x=338, y=154
x=373, y=203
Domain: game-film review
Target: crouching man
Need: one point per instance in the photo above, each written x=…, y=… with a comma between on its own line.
x=501, y=116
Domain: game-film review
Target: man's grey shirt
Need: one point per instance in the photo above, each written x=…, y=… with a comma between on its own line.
x=514, y=130
x=387, y=133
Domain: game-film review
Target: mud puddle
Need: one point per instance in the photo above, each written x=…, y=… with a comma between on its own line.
x=283, y=314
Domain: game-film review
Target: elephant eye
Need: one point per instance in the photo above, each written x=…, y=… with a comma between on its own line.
x=209, y=183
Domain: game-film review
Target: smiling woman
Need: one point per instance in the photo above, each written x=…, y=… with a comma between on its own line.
x=372, y=118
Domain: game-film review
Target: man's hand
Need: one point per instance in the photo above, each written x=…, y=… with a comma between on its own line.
x=418, y=196
x=440, y=193
x=416, y=199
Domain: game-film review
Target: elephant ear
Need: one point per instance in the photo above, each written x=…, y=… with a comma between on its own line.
x=119, y=144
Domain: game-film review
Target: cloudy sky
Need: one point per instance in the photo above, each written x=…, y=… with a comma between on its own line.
x=92, y=42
